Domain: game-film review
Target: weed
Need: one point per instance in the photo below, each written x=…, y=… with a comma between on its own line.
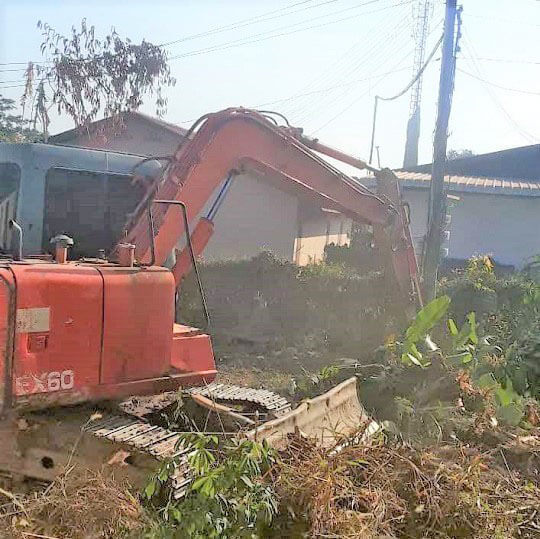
x=230, y=496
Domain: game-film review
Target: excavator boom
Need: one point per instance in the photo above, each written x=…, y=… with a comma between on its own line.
x=239, y=140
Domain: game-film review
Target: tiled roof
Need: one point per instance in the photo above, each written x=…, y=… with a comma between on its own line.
x=467, y=184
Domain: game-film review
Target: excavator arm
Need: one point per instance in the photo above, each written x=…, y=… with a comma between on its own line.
x=238, y=140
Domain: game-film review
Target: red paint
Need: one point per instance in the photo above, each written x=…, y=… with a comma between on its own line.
x=192, y=351
x=74, y=296
x=138, y=323
x=109, y=335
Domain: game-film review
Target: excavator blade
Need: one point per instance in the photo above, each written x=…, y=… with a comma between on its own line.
x=327, y=419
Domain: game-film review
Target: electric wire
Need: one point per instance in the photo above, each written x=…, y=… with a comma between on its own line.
x=506, y=60
x=247, y=40
x=327, y=104
x=356, y=100
x=510, y=120
x=528, y=92
x=227, y=27
x=350, y=105
x=361, y=96
x=368, y=60
x=248, y=22
x=342, y=63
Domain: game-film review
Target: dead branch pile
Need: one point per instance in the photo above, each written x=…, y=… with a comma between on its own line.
x=380, y=491
x=75, y=505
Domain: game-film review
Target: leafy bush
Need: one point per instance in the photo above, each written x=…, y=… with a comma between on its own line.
x=229, y=496
x=266, y=299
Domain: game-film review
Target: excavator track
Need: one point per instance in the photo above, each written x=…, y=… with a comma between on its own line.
x=273, y=404
x=157, y=442
x=132, y=431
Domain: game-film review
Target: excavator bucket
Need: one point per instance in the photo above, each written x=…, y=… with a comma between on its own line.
x=326, y=419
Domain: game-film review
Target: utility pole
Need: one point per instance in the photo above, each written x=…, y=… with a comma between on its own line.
x=437, y=198
x=422, y=16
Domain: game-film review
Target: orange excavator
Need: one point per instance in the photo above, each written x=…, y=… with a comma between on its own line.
x=103, y=330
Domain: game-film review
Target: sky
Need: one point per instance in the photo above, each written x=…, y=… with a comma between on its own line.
x=319, y=62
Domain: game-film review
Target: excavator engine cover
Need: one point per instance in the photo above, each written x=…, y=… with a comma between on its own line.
x=80, y=332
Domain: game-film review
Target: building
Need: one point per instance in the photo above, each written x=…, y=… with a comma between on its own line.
x=488, y=215
x=254, y=216
x=134, y=133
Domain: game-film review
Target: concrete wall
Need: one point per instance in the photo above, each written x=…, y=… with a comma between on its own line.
x=254, y=217
x=506, y=227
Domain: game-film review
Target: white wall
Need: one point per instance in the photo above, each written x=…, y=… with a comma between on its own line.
x=254, y=217
x=506, y=227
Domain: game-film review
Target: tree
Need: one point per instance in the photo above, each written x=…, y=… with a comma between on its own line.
x=459, y=154
x=12, y=126
x=83, y=76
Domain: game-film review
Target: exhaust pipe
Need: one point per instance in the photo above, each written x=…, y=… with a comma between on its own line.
x=16, y=239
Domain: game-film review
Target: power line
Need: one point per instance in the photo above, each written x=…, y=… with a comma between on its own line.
x=336, y=87
x=341, y=65
x=246, y=40
x=497, y=85
x=506, y=60
x=510, y=120
x=343, y=111
x=242, y=41
x=295, y=96
x=399, y=94
x=247, y=22
x=231, y=26
x=505, y=21
x=348, y=107
x=369, y=57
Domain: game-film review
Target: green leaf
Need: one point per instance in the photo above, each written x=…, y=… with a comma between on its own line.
x=460, y=359
x=247, y=481
x=471, y=318
x=198, y=483
x=413, y=359
x=487, y=381
x=510, y=414
x=427, y=318
x=150, y=489
x=504, y=396
x=164, y=473
x=452, y=327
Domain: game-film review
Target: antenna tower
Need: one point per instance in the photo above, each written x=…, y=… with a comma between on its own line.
x=422, y=12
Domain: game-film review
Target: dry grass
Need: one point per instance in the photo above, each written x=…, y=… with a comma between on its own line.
x=380, y=491
x=77, y=505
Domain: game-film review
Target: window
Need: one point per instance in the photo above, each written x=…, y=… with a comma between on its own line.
x=90, y=207
x=10, y=178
